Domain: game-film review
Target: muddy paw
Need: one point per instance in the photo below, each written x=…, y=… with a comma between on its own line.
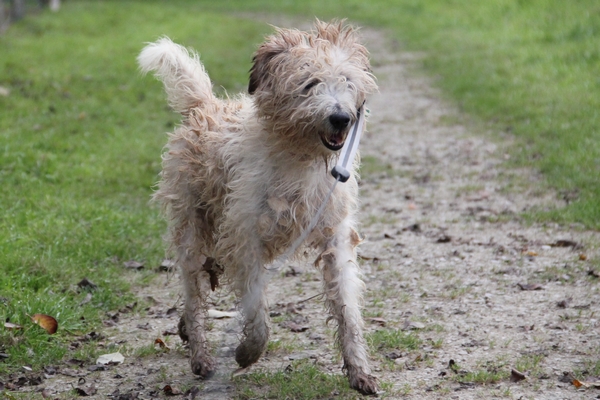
x=182, y=331
x=364, y=383
x=204, y=366
x=247, y=354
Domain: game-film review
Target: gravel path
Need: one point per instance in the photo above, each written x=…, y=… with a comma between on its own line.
x=446, y=259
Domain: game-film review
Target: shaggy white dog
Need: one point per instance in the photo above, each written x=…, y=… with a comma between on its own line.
x=242, y=178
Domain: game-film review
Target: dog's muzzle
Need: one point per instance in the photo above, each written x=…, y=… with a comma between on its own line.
x=339, y=122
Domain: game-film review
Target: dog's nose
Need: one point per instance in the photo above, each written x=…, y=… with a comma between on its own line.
x=339, y=120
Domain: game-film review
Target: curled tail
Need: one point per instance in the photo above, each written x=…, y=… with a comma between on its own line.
x=186, y=82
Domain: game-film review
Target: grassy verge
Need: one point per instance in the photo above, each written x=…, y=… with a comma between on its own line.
x=81, y=136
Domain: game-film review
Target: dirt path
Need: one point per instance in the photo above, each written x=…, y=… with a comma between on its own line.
x=444, y=257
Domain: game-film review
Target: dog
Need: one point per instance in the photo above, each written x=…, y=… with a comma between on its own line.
x=242, y=178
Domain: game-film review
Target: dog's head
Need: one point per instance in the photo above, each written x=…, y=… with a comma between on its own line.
x=308, y=86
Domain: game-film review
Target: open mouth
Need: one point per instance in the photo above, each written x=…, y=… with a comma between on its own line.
x=333, y=142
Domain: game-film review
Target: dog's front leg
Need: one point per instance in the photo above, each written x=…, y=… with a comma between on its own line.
x=254, y=308
x=343, y=288
x=197, y=286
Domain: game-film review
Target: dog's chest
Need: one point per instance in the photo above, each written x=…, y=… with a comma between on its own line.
x=286, y=214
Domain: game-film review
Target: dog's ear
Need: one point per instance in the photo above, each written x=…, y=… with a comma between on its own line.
x=262, y=61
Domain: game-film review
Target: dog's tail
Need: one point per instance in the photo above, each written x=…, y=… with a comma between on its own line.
x=186, y=82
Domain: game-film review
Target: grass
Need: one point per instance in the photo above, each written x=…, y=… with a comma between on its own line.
x=81, y=135
x=392, y=339
x=291, y=383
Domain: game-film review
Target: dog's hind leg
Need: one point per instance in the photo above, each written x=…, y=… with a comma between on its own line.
x=197, y=286
x=343, y=288
x=254, y=308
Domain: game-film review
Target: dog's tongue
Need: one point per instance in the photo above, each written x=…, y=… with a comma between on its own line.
x=338, y=139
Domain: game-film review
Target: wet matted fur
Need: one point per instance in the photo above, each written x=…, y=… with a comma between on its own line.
x=242, y=178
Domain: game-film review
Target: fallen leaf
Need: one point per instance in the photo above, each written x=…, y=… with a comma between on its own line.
x=10, y=326
x=192, y=393
x=595, y=274
x=170, y=332
x=564, y=303
x=530, y=286
x=45, y=321
x=412, y=325
x=413, y=228
x=171, y=312
x=85, y=392
x=86, y=283
x=378, y=321
x=166, y=265
x=531, y=253
x=132, y=264
x=582, y=257
x=294, y=327
x=444, y=239
x=87, y=299
x=171, y=391
x=162, y=344
x=110, y=359
x=516, y=376
x=565, y=243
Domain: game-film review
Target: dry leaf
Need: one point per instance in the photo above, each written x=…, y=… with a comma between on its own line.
x=516, y=376
x=586, y=385
x=294, y=327
x=85, y=392
x=162, y=344
x=170, y=332
x=45, y=321
x=444, y=239
x=171, y=391
x=582, y=257
x=132, y=264
x=10, y=326
x=530, y=286
x=166, y=265
x=112, y=358
x=566, y=243
x=378, y=321
x=86, y=283
x=531, y=253
x=412, y=325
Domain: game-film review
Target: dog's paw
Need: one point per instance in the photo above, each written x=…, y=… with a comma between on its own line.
x=364, y=383
x=182, y=331
x=248, y=353
x=203, y=365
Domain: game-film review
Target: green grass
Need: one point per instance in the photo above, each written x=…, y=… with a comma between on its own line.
x=392, y=339
x=300, y=380
x=81, y=134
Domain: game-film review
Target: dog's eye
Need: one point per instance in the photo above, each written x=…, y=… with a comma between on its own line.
x=311, y=85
